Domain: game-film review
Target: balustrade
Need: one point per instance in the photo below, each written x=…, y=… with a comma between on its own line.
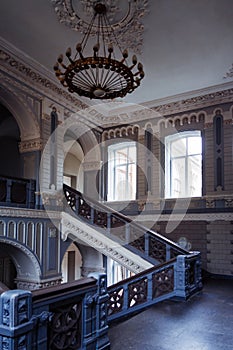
x=137, y=238
x=72, y=316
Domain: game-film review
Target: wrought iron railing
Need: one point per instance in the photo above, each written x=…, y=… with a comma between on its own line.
x=16, y=192
x=145, y=242
x=179, y=278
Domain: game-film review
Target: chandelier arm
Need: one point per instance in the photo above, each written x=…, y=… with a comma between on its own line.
x=116, y=85
x=87, y=34
x=84, y=78
x=81, y=84
x=103, y=35
x=111, y=32
x=114, y=78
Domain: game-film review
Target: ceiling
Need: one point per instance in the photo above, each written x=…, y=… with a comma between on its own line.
x=187, y=44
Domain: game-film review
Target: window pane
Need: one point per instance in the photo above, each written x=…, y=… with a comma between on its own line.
x=194, y=145
x=183, y=159
x=178, y=148
x=194, y=179
x=178, y=177
x=122, y=171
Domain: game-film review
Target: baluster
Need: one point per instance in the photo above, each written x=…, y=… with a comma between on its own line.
x=125, y=296
x=77, y=204
x=127, y=232
x=168, y=252
x=147, y=243
x=109, y=216
x=8, y=191
x=149, y=287
x=92, y=214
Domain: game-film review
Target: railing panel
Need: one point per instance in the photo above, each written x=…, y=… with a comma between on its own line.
x=16, y=192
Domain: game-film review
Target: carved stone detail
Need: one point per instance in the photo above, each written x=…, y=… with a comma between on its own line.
x=29, y=213
x=30, y=146
x=89, y=166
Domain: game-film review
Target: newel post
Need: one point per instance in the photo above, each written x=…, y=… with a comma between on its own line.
x=16, y=320
x=102, y=341
x=181, y=276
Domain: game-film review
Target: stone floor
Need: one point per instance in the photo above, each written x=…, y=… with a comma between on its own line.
x=205, y=322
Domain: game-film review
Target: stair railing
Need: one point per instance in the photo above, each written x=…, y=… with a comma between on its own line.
x=178, y=279
x=146, y=243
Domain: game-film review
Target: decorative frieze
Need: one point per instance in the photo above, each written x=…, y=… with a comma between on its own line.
x=92, y=166
x=32, y=76
x=30, y=146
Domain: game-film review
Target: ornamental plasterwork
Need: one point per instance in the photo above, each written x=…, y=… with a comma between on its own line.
x=229, y=74
x=75, y=229
x=30, y=146
x=90, y=166
x=195, y=102
x=33, y=77
x=125, y=18
x=28, y=213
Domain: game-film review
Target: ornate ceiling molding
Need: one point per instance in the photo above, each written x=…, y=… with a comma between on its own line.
x=32, y=77
x=229, y=74
x=125, y=18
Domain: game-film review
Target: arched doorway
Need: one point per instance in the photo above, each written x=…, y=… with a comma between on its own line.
x=71, y=264
x=20, y=268
x=73, y=171
x=8, y=271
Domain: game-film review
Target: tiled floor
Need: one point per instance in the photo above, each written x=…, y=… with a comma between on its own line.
x=205, y=322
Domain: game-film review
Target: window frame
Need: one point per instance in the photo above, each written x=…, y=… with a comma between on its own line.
x=113, y=148
x=169, y=139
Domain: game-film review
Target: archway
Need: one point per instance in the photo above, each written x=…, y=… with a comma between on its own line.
x=25, y=272
x=71, y=264
x=73, y=171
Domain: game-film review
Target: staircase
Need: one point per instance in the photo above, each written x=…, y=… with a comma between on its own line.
x=162, y=270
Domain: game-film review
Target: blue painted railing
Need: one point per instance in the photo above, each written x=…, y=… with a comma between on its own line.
x=16, y=192
x=178, y=279
x=72, y=316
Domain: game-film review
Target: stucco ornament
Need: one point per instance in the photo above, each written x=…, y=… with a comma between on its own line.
x=124, y=16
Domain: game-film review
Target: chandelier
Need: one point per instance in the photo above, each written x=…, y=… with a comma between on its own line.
x=100, y=76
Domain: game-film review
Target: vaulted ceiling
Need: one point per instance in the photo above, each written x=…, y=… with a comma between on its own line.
x=187, y=44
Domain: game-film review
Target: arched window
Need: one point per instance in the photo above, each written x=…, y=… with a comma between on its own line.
x=122, y=171
x=183, y=165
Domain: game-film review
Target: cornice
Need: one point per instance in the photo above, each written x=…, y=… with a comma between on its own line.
x=208, y=217
x=194, y=100
x=29, y=213
x=17, y=63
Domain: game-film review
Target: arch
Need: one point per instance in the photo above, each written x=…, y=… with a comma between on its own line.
x=26, y=119
x=71, y=263
x=26, y=264
x=72, y=168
